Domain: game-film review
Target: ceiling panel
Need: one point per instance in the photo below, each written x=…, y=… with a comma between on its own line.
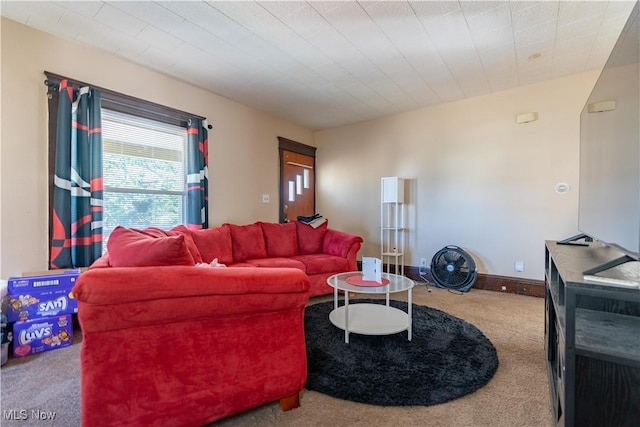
x=539, y=12
x=119, y=20
x=81, y=28
x=434, y=9
x=305, y=21
x=123, y=45
x=542, y=33
x=499, y=58
x=158, y=38
x=489, y=18
x=201, y=14
x=579, y=28
x=87, y=9
x=149, y=12
x=42, y=15
x=497, y=37
x=328, y=63
x=572, y=11
x=156, y=57
x=502, y=80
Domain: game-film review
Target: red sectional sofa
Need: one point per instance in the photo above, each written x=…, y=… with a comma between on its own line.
x=166, y=343
x=319, y=252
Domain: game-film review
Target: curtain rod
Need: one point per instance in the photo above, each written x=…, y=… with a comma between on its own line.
x=53, y=80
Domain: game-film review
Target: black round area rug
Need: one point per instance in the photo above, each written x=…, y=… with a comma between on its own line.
x=447, y=358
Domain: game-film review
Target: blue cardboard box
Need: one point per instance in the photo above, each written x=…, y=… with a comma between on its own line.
x=46, y=282
x=36, y=305
x=39, y=335
x=32, y=297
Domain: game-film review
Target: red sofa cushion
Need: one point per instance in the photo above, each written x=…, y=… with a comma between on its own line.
x=134, y=248
x=240, y=264
x=281, y=240
x=277, y=263
x=321, y=263
x=310, y=239
x=247, y=242
x=175, y=231
x=191, y=244
x=214, y=243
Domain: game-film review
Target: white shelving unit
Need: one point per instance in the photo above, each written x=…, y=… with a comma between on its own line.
x=392, y=228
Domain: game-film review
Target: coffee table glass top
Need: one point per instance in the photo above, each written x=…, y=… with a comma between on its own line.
x=396, y=283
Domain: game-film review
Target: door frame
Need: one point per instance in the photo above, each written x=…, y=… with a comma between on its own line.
x=285, y=144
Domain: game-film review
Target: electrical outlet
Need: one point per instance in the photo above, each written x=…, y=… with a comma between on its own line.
x=265, y=198
x=423, y=266
x=518, y=266
x=504, y=288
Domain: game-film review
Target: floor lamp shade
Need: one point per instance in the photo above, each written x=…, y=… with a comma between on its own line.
x=392, y=190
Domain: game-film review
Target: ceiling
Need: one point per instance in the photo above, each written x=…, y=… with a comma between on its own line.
x=323, y=64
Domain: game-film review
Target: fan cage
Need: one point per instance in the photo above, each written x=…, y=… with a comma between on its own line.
x=453, y=268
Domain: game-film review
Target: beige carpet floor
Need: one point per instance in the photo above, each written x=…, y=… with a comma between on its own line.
x=518, y=394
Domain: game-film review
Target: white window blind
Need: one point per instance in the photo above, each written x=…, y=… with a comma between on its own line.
x=144, y=172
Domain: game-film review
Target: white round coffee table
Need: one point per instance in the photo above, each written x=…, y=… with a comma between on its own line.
x=370, y=319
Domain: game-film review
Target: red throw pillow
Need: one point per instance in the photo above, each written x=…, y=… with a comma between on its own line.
x=179, y=229
x=281, y=240
x=188, y=239
x=247, y=242
x=152, y=231
x=214, y=243
x=132, y=248
x=310, y=239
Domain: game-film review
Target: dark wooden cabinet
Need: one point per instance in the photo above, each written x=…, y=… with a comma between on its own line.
x=592, y=340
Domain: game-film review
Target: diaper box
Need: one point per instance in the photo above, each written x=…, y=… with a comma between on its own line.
x=39, y=335
x=32, y=297
x=40, y=283
x=36, y=305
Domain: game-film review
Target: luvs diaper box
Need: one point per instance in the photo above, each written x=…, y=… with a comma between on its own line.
x=33, y=297
x=38, y=335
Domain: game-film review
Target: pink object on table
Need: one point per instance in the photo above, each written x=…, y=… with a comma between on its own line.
x=357, y=281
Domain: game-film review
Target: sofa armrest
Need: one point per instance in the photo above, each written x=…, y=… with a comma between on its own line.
x=119, y=298
x=339, y=243
x=342, y=244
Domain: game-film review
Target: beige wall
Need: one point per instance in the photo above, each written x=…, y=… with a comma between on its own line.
x=243, y=144
x=476, y=179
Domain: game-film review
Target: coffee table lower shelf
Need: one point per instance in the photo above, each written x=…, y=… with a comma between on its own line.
x=370, y=319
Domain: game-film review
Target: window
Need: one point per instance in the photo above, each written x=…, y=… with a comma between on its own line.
x=151, y=171
x=143, y=172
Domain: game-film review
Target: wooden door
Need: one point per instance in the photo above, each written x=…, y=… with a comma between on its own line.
x=297, y=182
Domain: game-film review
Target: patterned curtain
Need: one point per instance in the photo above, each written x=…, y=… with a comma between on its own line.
x=197, y=175
x=77, y=191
